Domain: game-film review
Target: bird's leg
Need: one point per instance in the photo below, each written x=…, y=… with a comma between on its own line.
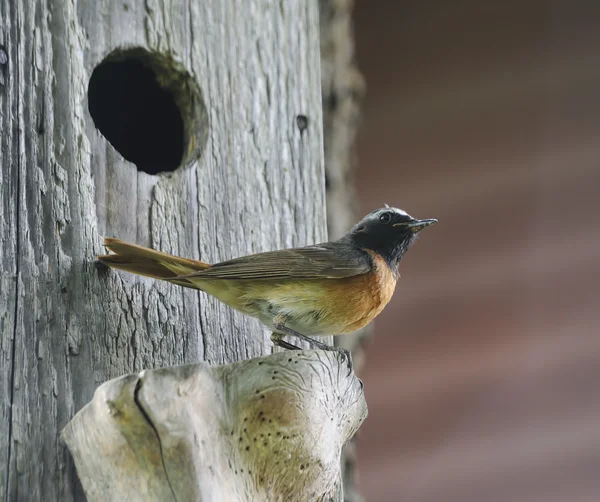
x=279, y=325
x=277, y=339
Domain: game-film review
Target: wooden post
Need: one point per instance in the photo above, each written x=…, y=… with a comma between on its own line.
x=192, y=126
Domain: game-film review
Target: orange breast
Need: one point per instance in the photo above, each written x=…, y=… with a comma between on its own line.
x=368, y=295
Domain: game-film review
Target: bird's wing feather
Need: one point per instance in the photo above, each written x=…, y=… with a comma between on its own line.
x=329, y=260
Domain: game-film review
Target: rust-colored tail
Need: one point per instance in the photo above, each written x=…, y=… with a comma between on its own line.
x=149, y=262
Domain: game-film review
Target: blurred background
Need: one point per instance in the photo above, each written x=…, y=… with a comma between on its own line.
x=483, y=376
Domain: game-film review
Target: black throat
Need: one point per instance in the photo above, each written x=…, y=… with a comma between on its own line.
x=389, y=248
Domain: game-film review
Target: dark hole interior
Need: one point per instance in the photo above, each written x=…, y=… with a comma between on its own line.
x=139, y=118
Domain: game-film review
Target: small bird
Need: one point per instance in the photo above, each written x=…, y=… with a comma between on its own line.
x=331, y=288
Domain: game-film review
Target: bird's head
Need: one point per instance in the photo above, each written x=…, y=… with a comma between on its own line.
x=388, y=231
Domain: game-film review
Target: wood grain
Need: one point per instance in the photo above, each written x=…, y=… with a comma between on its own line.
x=259, y=185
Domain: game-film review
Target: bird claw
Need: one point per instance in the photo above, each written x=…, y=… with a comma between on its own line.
x=347, y=355
x=280, y=326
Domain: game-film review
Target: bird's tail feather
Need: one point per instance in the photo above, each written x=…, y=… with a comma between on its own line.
x=149, y=262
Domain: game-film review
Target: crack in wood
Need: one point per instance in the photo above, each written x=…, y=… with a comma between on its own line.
x=136, y=400
x=13, y=354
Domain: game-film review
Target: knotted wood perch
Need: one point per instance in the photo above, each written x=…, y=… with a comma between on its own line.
x=265, y=429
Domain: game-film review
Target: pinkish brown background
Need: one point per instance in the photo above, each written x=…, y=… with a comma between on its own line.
x=483, y=377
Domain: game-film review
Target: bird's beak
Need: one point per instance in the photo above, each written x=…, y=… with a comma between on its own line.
x=418, y=225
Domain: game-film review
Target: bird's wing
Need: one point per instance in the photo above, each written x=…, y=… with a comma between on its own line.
x=332, y=260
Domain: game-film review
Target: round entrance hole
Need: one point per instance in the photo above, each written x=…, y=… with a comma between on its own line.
x=149, y=108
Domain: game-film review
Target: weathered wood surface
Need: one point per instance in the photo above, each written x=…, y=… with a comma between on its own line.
x=66, y=327
x=268, y=429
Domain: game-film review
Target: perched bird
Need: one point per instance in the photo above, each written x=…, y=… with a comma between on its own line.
x=327, y=289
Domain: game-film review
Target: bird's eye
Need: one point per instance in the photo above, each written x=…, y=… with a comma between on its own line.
x=385, y=218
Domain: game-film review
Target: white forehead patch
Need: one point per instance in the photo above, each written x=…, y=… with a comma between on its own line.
x=399, y=211
x=374, y=215
x=393, y=210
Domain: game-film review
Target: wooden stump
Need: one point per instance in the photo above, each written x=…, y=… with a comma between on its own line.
x=267, y=429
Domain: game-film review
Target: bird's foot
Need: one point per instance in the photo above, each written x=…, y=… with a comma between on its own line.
x=282, y=328
x=278, y=340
